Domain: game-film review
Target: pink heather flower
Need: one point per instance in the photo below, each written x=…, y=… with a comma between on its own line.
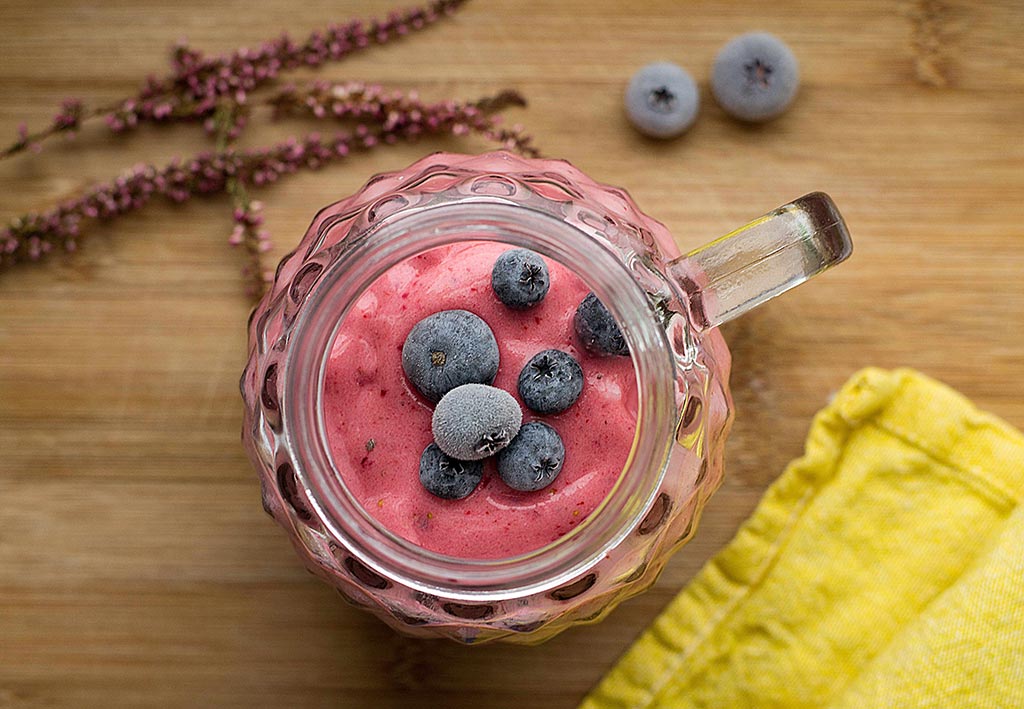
x=198, y=82
x=386, y=117
x=70, y=114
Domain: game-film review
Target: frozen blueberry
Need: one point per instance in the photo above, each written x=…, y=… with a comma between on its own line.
x=474, y=421
x=597, y=329
x=550, y=382
x=448, y=349
x=534, y=458
x=662, y=100
x=520, y=279
x=755, y=77
x=448, y=477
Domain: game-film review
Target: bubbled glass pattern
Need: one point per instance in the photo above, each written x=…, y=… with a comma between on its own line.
x=700, y=361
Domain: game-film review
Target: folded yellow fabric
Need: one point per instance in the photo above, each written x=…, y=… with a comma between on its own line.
x=885, y=568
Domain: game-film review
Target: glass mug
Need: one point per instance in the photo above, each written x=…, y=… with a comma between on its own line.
x=668, y=307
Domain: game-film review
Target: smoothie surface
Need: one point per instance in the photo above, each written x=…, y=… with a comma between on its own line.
x=377, y=425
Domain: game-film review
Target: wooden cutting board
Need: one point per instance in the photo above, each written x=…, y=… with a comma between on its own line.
x=136, y=566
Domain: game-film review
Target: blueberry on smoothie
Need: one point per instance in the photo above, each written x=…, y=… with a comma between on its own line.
x=755, y=77
x=597, y=329
x=474, y=421
x=520, y=279
x=550, y=382
x=448, y=477
x=449, y=349
x=534, y=458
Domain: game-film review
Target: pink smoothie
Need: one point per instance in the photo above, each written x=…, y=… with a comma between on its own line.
x=378, y=425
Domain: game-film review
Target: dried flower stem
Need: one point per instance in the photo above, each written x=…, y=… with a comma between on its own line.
x=215, y=92
x=197, y=84
x=248, y=219
x=403, y=113
x=32, y=236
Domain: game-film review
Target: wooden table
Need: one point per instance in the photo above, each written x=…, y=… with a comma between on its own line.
x=136, y=566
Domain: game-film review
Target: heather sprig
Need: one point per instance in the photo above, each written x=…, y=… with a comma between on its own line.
x=198, y=84
x=248, y=217
x=403, y=115
x=234, y=171
x=215, y=92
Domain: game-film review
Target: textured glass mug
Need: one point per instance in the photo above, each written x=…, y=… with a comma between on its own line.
x=668, y=307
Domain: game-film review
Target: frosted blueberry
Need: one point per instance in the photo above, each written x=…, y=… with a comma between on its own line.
x=474, y=421
x=520, y=279
x=550, y=382
x=448, y=349
x=534, y=458
x=662, y=100
x=755, y=77
x=448, y=477
x=597, y=329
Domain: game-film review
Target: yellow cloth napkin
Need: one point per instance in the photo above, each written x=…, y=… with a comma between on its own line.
x=885, y=568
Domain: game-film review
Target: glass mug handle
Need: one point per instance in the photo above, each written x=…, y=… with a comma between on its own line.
x=778, y=251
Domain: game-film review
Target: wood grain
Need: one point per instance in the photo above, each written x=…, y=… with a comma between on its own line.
x=136, y=566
